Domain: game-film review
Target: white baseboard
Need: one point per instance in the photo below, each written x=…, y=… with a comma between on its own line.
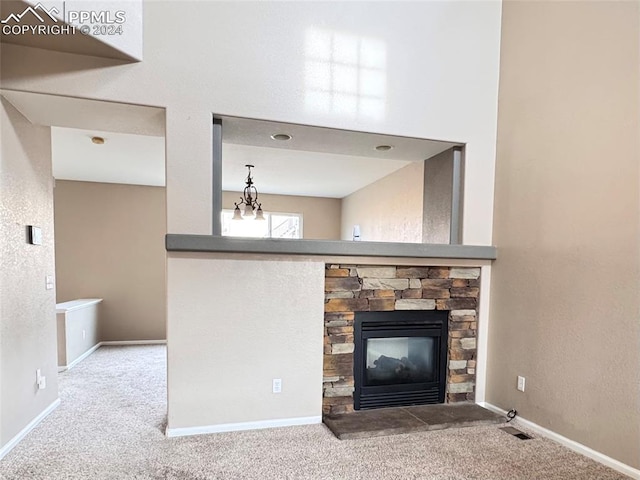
x=235, y=427
x=32, y=424
x=570, y=444
x=15, y=440
x=63, y=368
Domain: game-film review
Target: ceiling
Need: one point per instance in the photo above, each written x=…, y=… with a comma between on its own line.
x=58, y=111
x=123, y=158
x=296, y=172
x=133, y=152
x=316, y=161
x=246, y=131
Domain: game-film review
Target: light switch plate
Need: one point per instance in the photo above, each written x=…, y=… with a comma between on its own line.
x=35, y=235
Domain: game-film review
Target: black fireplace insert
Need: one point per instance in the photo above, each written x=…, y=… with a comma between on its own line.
x=400, y=358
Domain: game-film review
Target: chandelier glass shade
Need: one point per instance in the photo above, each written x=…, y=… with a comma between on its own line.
x=248, y=205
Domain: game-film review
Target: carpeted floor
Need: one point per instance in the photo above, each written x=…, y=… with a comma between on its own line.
x=111, y=421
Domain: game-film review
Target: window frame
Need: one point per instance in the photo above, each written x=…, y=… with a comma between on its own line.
x=268, y=219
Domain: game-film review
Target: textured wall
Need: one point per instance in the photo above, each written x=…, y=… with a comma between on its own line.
x=426, y=51
x=110, y=245
x=320, y=216
x=388, y=210
x=564, y=306
x=244, y=348
x=438, y=191
x=27, y=309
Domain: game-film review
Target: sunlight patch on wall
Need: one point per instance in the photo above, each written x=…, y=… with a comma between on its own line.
x=345, y=74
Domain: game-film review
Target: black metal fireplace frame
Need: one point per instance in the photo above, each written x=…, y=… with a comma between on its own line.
x=400, y=323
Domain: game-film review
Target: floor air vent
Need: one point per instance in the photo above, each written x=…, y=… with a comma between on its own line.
x=516, y=433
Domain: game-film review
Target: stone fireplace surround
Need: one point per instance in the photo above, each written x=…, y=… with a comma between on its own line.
x=366, y=288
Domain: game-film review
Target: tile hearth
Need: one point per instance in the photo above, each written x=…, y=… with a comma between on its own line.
x=399, y=420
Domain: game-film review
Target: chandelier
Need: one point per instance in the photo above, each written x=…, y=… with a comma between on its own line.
x=249, y=199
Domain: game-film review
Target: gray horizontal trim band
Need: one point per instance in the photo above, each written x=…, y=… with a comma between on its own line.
x=211, y=243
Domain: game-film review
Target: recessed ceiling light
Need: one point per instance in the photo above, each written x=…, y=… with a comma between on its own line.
x=384, y=148
x=97, y=140
x=281, y=136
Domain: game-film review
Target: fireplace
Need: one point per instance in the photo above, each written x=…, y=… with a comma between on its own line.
x=400, y=358
x=449, y=294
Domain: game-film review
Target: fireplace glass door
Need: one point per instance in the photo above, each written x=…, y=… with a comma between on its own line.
x=400, y=358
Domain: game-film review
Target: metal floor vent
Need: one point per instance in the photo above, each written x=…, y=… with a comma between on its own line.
x=516, y=433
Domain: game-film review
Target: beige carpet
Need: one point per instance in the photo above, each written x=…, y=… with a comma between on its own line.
x=111, y=421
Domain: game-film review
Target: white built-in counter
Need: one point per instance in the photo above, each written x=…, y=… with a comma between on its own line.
x=77, y=322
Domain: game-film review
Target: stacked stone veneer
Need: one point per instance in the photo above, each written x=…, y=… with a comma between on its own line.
x=353, y=288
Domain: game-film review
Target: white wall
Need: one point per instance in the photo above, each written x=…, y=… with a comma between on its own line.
x=437, y=78
x=129, y=41
x=78, y=332
x=429, y=52
x=127, y=44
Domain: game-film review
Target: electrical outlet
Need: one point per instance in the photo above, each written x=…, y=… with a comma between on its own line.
x=48, y=282
x=520, y=383
x=277, y=385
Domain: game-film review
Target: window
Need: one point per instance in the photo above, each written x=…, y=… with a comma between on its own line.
x=275, y=225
